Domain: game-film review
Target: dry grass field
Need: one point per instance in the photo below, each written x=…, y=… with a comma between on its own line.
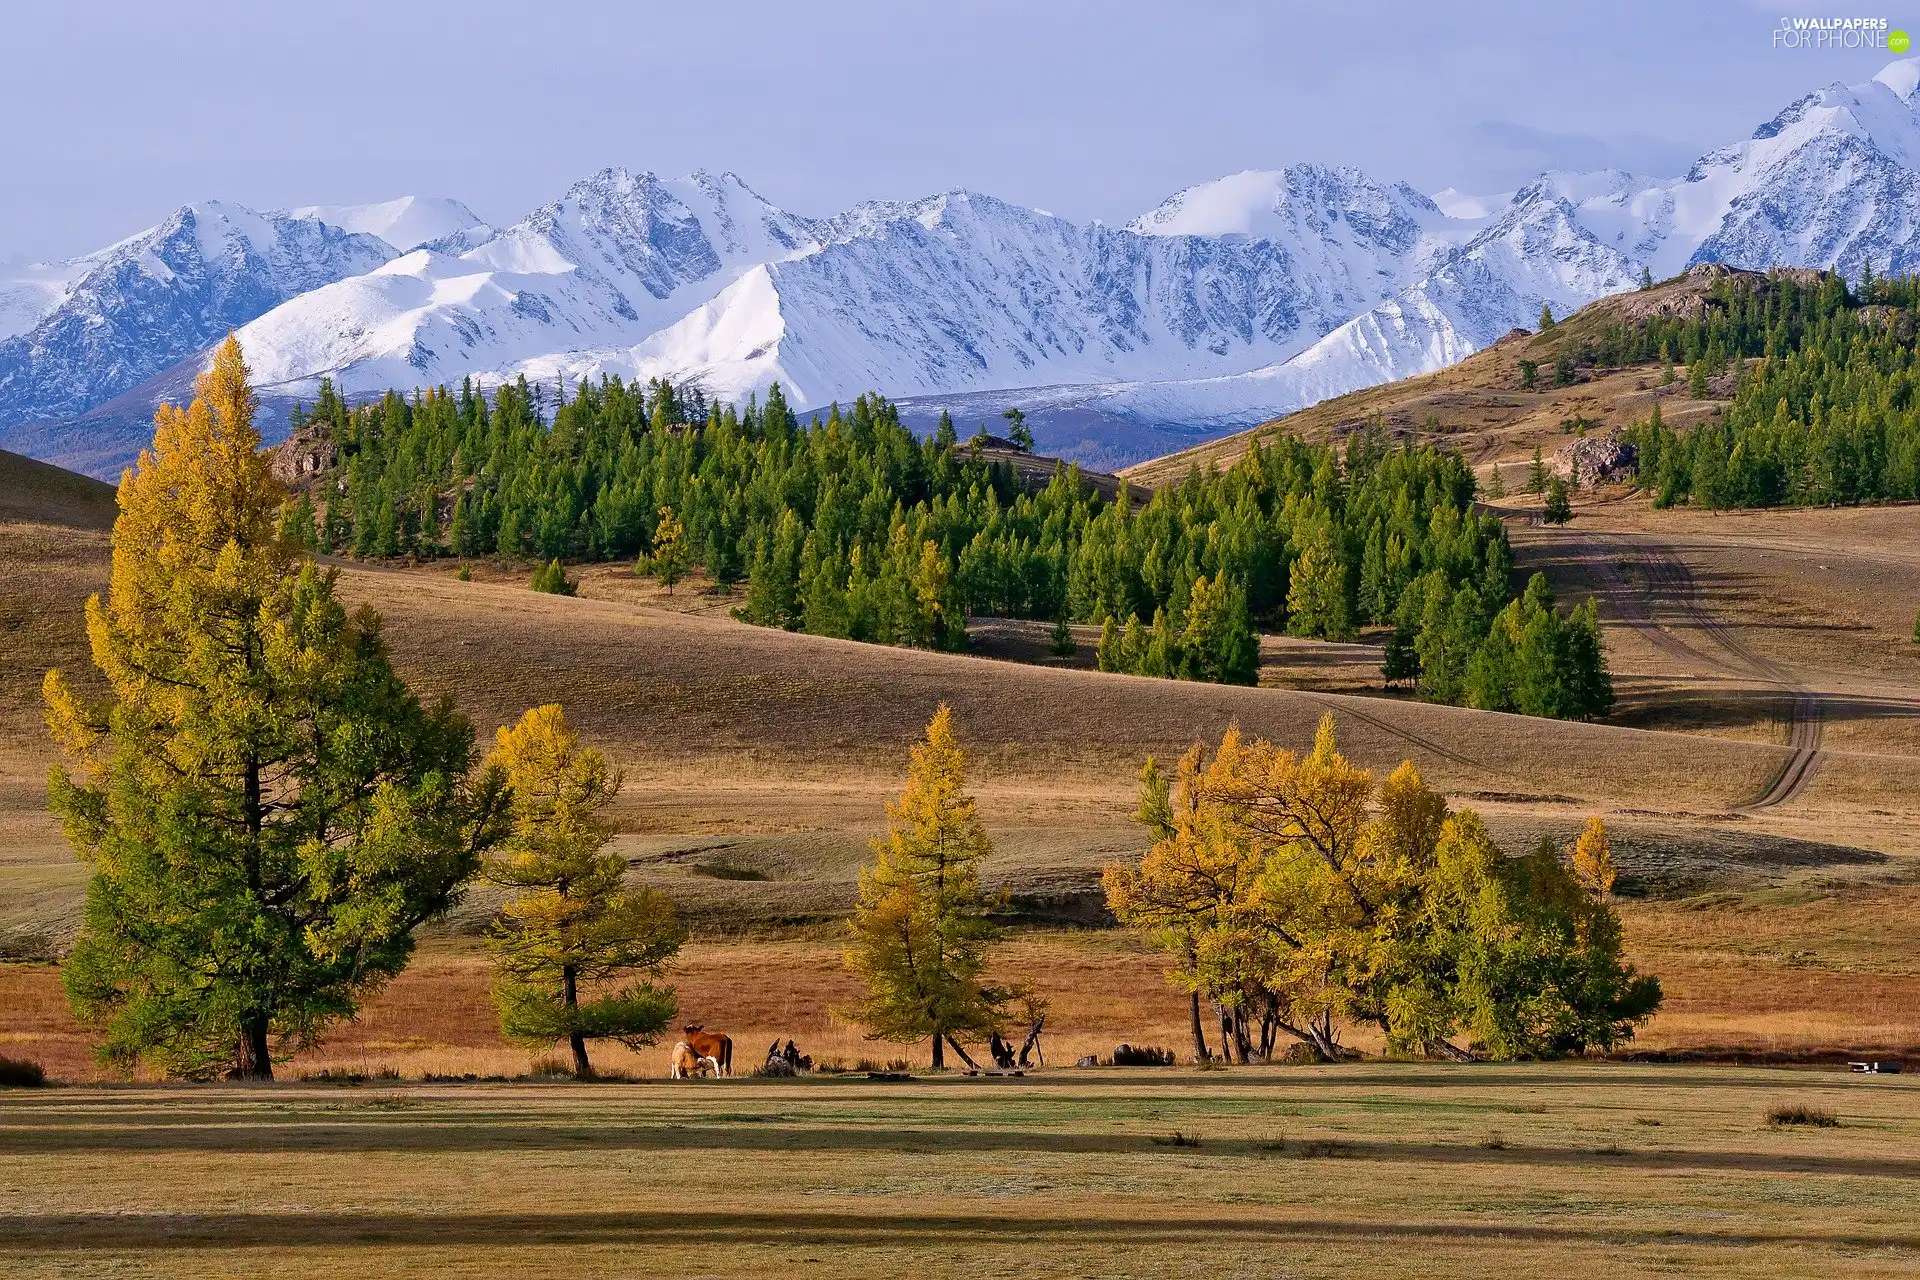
x=1389, y=1169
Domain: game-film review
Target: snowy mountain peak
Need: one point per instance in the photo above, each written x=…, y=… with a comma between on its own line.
x=1265, y=203
x=1232, y=301
x=405, y=223
x=1902, y=77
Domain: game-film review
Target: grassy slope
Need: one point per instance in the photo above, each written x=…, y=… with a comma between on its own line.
x=39, y=493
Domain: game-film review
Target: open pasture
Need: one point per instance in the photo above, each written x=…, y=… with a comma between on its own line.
x=1393, y=1169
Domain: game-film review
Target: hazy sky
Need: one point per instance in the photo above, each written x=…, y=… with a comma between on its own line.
x=112, y=114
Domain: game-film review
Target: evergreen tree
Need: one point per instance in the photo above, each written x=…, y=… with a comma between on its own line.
x=1697, y=378
x=297, y=525
x=668, y=559
x=571, y=924
x=1061, y=643
x=920, y=931
x=1497, y=484
x=1402, y=664
x=828, y=523
x=1219, y=643
x=1546, y=317
x=1529, y=372
x=267, y=812
x=1107, y=654
x=1537, y=473
x=1017, y=430
x=1646, y=277
x=1558, y=508
x=1316, y=592
x=551, y=578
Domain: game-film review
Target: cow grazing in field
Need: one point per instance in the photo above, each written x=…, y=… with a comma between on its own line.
x=687, y=1063
x=710, y=1044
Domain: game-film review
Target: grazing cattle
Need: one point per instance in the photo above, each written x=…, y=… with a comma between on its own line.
x=710, y=1044
x=687, y=1063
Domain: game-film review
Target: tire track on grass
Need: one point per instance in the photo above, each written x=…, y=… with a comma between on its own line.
x=1671, y=582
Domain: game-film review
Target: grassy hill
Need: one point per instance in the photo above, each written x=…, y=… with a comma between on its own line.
x=40, y=493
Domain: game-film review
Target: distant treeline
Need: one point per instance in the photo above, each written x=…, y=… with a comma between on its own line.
x=1823, y=407
x=848, y=525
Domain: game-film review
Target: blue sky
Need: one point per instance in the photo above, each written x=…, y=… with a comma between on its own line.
x=112, y=114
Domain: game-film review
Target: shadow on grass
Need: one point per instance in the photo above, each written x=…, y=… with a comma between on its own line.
x=75, y=1232
x=425, y=1134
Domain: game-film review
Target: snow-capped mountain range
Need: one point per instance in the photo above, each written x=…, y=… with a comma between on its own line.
x=1230, y=303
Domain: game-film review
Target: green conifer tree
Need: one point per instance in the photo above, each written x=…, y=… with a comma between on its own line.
x=267, y=812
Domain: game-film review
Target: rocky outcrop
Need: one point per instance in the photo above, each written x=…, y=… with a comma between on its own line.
x=1598, y=460
x=304, y=456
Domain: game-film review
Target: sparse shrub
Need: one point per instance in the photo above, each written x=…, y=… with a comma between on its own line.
x=552, y=579
x=1651, y=1121
x=1494, y=1141
x=1799, y=1113
x=19, y=1073
x=550, y=1069
x=1177, y=1140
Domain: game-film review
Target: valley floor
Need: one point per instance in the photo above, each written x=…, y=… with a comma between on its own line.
x=1385, y=1169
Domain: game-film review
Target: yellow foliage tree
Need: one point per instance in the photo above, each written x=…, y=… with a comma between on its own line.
x=1593, y=859
x=668, y=559
x=1296, y=888
x=571, y=921
x=920, y=931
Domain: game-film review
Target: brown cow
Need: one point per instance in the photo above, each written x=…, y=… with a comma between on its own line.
x=710, y=1044
x=687, y=1064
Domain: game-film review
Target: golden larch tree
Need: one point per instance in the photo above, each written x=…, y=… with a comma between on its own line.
x=572, y=923
x=920, y=931
x=1593, y=859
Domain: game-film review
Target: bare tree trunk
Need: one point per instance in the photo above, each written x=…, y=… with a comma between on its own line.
x=1032, y=1043
x=252, y=1059
x=1439, y=1047
x=570, y=992
x=1200, y=1053
x=939, y=1055
x=959, y=1049
x=1240, y=1044
x=1226, y=1033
